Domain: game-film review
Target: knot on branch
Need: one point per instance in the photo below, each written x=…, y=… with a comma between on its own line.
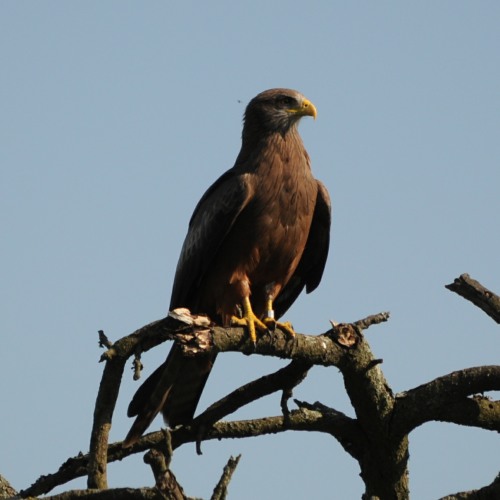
x=350, y=334
x=345, y=334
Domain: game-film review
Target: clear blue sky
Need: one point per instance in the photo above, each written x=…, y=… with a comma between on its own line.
x=114, y=119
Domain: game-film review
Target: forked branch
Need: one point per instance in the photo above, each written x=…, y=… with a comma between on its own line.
x=377, y=437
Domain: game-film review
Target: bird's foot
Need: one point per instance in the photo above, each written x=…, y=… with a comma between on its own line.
x=285, y=326
x=252, y=322
x=255, y=324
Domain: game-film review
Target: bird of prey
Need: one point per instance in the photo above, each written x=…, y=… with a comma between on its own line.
x=258, y=236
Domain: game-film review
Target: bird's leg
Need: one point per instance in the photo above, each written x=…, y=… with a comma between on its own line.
x=269, y=319
x=252, y=322
x=272, y=323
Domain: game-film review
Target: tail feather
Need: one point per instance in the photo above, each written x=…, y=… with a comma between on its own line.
x=174, y=388
x=143, y=394
x=186, y=392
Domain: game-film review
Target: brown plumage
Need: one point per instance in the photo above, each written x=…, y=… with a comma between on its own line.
x=257, y=237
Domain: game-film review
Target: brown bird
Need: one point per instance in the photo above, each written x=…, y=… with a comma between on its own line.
x=257, y=237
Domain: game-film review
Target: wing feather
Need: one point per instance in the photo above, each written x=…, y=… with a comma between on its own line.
x=312, y=264
x=212, y=219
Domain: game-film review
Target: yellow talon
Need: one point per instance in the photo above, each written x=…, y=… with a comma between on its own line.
x=286, y=326
x=252, y=322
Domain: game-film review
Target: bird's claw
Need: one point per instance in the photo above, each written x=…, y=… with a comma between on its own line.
x=253, y=324
x=286, y=326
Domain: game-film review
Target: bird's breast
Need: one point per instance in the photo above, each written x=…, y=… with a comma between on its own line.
x=264, y=245
x=273, y=229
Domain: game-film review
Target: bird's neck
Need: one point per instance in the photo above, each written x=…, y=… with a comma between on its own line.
x=257, y=148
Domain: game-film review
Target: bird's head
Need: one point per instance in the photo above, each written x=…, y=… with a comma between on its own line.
x=277, y=110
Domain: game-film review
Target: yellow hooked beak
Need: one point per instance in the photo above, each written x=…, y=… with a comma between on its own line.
x=305, y=108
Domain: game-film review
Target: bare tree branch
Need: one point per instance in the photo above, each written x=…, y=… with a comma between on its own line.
x=384, y=462
x=165, y=479
x=377, y=438
x=285, y=378
x=116, y=356
x=480, y=296
x=445, y=399
x=103, y=414
x=336, y=424
x=490, y=492
x=374, y=319
x=220, y=490
x=112, y=494
x=344, y=429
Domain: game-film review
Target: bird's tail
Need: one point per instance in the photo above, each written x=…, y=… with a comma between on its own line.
x=174, y=388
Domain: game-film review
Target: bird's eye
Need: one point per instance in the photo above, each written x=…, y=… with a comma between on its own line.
x=285, y=101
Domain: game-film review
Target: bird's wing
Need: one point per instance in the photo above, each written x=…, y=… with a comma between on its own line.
x=312, y=264
x=212, y=219
x=180, y=380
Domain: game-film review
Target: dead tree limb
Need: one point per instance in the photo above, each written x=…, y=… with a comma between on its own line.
x=377, y=438
x=490, y=492
x=452, y=398
x=220, y=490
x=479, y=295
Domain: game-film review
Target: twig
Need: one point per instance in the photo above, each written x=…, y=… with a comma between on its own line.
x=103, y=340
x=374, y=319
x=220, y=490
x=480, y=296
